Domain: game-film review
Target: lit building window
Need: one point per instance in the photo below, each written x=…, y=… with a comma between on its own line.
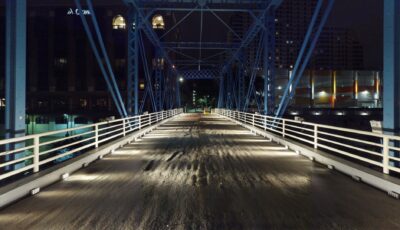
x=158, y=22
x=141, y=86
x=60, y=62
x=158, y=63
x=2, y=102
x=119, y=22
x=83, y=103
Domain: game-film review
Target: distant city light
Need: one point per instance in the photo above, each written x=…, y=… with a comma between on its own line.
x=340, y=113
x=181, y=79
x=323, y=93
x=317, y=113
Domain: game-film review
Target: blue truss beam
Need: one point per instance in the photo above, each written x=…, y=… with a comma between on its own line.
x=269, y=64
x=205, y=45
x=302, y=61
x=15, y=74
x=254, y=71
x=133, y=64
x=253, y=31
x=221, y=96
x=147, y=72
x=158, y=84
x=116, y=96
x=215, y=5
x=202, y=74
x=241, y=82
x=391, y=108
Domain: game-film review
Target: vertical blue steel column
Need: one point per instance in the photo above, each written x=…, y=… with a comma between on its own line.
x=229, y=87
x=241, y=82
x=15, y=70
x=269, y=63
x=221, y=97
x=178, y=93
x=391, y=105
x=158, y=84
x=133, y=63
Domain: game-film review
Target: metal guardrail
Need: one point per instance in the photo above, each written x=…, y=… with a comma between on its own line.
x=372, y=149
x=34, y=152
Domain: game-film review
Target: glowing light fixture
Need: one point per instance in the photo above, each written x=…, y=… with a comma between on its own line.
x=119, y=23
x=158, y=22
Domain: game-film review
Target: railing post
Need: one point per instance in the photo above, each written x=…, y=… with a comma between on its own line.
x=96, y=136
x=385, y=155
x=162, y=115
x=315, y=136
x=265, y=123
x=140, y=122
x=36, y=143
x=283, y=128
x=253, y=119
x=123, y=128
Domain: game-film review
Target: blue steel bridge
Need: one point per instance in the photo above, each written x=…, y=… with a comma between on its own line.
x=226, y=168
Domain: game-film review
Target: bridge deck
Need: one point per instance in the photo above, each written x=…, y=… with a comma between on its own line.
x=204, y=172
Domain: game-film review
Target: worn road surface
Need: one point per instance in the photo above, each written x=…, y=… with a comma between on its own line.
x=204, y=172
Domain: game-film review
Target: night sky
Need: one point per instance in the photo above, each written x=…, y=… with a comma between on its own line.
x=365, y=18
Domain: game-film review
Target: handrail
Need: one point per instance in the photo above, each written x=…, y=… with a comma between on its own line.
x=28, y=153
x=376, y=149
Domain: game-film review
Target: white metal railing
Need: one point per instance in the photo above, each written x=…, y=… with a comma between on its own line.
x=34, y=152
x=373, y=149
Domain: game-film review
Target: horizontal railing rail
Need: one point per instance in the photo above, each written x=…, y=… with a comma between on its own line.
x=30, y=154
x=368, y=148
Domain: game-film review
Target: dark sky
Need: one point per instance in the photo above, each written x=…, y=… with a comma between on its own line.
x=365, y=19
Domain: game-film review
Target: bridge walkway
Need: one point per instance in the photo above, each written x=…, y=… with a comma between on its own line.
x=204, y=172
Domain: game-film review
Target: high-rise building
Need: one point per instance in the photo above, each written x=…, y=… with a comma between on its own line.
x=337, y=48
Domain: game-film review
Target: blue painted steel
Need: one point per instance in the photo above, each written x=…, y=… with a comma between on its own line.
x=391, y=106
x=231, y=90
x=253, y=30
x=158, y=83
x=224, y=23
x=178, y=92
x=205, y=45
x=214, y=5
x=195, y=74
x=254, y=72
x=178, y=23
x=143, y=101
x=257, y=100
x=105, y=55
x=221, y=96
x=269, y=64
x=146, y=72
x=133, y=63
x=120, y=107
x=295, y=78
x=15, y=74
x=241, y=82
